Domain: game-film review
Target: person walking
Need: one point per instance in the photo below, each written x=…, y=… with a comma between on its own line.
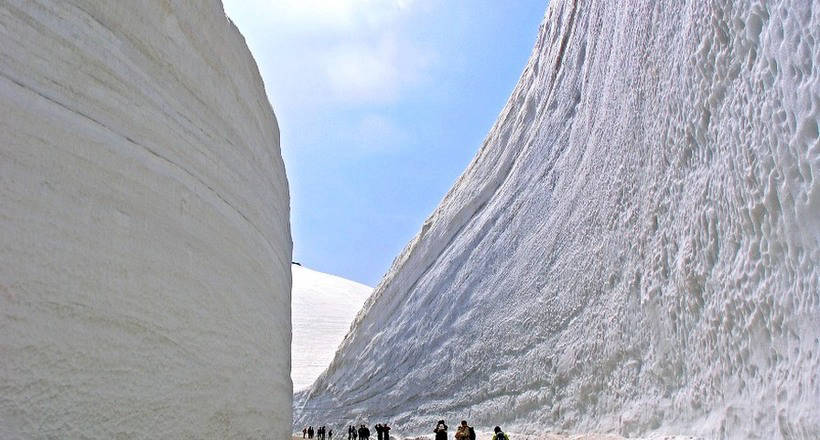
x=441, y=430
x=304, y=432
x=499, y=435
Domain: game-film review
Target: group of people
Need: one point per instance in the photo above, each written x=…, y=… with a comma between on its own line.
x=353, y=433
x=465, y=432
x=322, y=433
x=363, y=432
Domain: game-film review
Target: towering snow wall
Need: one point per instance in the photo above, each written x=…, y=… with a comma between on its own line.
x=144, y=234
x=635, y=247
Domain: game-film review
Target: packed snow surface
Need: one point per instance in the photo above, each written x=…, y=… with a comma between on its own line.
x=323, y=307
x=144, y=233
x=634, y=248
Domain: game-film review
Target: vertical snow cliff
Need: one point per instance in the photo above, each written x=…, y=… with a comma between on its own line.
x=144, y=233
x=635, y=247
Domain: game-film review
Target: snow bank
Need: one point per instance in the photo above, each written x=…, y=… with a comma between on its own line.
x=145, y=243
x=323, y=308
x=634, y=248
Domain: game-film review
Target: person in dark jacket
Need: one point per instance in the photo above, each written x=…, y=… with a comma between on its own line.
x=386, y=431
x=350, y=430
x=499, y=435
x=310, y=432
x=364, y=433
x=441, y=430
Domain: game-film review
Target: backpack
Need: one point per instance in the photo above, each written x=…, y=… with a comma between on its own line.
x=472, y=433
x=500, y=436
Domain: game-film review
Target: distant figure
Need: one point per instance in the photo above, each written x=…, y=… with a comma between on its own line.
x=379, y=431
x=330, y=435
x=441, y=430
x=364, y=433
x=304, y=432
x=355, y=433
x=499, y=435
x=463, y=432
x=310, y=431
x=320, y=433
x=386, y=431
x=351, y=432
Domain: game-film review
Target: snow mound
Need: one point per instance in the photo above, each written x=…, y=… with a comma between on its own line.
x=323, y=307
x=144, y=233
x=634, y=248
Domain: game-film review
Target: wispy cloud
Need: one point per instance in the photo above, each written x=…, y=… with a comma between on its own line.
x=329, y=52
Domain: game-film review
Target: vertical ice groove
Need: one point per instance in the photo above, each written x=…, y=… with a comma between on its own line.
x=633, y=249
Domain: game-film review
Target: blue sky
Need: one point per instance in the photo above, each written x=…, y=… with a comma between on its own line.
x=381, y=105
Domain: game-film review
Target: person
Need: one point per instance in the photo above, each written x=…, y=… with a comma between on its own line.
x=386, y=431
x=330, y=435
x=364, y=433
x=463, y=431
x=350, y=430
x=499, y=435
x=304, y=432
x=379, y=431
x=441, y=430
x=355, y=432
x=310, y=432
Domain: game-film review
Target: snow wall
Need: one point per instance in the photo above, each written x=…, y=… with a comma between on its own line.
x=144, y=234
x=634, y=248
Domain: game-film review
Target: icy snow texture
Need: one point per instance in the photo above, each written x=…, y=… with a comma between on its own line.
x=323, y=307
x=634, y=248
x=144, y=234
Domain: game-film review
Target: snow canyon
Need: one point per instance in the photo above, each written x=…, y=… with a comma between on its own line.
x=145, y=243
x=633, y=249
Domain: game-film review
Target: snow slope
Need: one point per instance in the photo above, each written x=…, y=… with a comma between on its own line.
x=323, y=307
x=634, y=248
x=144, y=233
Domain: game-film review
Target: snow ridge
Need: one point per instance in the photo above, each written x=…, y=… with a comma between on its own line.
x=323, y=307
x=634, y=248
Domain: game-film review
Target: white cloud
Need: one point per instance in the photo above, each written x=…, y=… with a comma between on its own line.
x=326, y=52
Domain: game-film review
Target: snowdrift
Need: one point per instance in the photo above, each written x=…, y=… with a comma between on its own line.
x=323, y=307
x=144, y=234
x=634, y=248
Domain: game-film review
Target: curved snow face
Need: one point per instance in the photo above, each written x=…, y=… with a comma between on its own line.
x=635, y=248
x=323, y=308
x=145, y=243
